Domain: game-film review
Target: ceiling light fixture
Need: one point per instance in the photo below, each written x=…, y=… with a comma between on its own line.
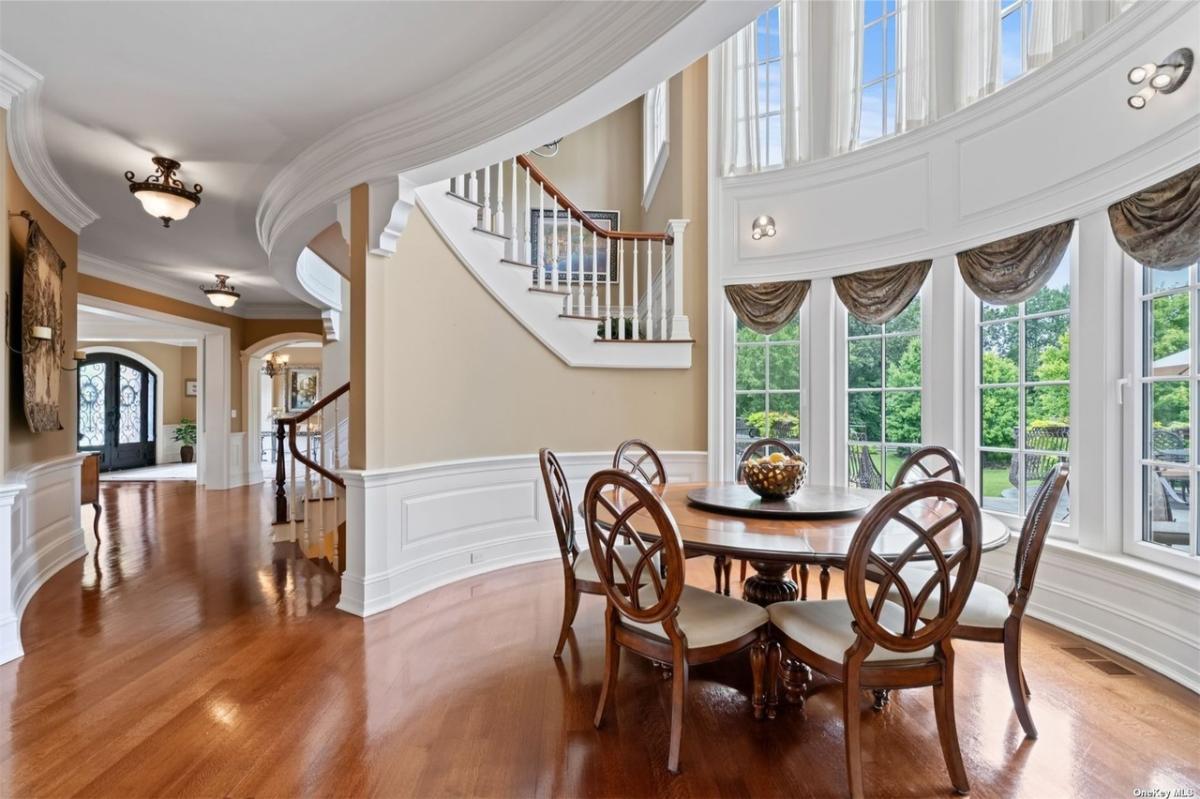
x=274, y=364
x=162, y=194
x=763, y=226
x=221, y=294
x=1163, y=78
x=547, y=150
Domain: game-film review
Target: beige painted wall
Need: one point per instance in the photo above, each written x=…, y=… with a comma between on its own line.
x=178, y=364
x=23, y=446
x=5, y=388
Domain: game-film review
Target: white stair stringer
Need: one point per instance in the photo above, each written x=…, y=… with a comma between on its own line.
x=572, y=340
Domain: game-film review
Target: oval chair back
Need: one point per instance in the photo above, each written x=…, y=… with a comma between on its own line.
x=1033, y=535
x=930, y=463
x=561, y=511
x=611, y=501
x=638, y=458
x=944, y=520
x=762, y=446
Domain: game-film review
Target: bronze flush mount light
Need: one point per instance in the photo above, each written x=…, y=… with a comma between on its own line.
x=163, y=195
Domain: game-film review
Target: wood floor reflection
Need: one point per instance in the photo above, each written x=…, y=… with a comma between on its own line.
x=189, y=656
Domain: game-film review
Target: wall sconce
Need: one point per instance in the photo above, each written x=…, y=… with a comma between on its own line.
x=763, y=226
x=1161, y=78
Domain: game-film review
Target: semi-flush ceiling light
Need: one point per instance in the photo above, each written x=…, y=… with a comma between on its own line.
x=162, y=194
x=1163, y=78
x=222, y=294
x=763, y=226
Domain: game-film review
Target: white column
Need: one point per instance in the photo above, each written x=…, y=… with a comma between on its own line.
x=680, y=328
x=942, y=362
x=1098, y=461
x=10, y=628
x=215, y=422
x=824, y=336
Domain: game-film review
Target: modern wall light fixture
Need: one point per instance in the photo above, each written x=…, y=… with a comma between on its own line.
x=763, y=226
x=1161, y=78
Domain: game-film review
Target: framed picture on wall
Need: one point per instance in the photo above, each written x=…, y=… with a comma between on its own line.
x=541, y=226
x=303, y=387
x=191, y=387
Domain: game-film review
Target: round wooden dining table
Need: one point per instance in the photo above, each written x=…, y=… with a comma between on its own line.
x=772, y=540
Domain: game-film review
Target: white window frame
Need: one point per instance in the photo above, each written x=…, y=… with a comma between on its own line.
x=729, y=462
x=844, y=400
x=762, y=72
x=656, y=121
x=1066, y=530
x=1023, y=10
x=884, y=76
x=1134, y=404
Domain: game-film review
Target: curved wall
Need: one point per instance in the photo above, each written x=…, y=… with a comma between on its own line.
x=1059, y=143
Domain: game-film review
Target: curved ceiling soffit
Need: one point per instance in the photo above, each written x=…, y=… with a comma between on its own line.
x=602, y=55
x=1115, y=45
x=20, y=92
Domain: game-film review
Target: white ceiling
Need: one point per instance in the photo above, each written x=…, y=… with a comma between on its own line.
x=234, y=91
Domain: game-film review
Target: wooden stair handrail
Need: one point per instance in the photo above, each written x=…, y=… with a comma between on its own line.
x=293, y=421
x=584, y=219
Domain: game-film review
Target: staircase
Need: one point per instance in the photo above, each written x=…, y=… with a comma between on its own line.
x=310, y=495
x=595, y=297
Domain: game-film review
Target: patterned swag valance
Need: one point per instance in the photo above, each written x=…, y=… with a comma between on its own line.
x=1013, y=269
x=1160, y=226
x=766, y=307
x=880, y=295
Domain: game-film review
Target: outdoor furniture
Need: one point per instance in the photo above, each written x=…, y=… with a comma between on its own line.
x=864, y=472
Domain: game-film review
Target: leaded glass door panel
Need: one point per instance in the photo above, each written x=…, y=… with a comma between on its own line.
x=116, y=411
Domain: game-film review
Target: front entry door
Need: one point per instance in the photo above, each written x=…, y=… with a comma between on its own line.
x=116, y=411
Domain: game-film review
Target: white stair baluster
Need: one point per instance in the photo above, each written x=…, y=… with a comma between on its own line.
x=541, y=240
x=499, y=226
x=620, y=289
x=636, y=308
x=525, y=222
x=570, y=266
x=514, y=245
x=453, y=185
x=595, y=277
x=485, y=221
x=607, y=288
x=554, y=247
x=662, y=293
x=473, y=186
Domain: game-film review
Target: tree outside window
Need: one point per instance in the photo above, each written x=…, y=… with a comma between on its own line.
x=767, y=385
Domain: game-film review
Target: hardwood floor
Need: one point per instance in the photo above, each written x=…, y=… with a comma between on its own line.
x=191, y=657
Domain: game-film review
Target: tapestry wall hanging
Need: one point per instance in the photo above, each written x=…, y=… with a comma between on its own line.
x=41, y=306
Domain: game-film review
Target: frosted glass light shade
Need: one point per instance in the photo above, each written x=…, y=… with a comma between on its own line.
x=162, y=205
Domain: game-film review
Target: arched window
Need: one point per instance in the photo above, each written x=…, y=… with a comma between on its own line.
x=116, y=411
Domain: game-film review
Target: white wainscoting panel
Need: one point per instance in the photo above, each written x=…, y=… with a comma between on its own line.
x=414, y=528
x=238, y=468
x=1142, y=611
x=44, y=534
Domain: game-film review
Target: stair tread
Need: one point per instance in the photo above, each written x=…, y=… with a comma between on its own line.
x=560, y=292
x=587, y=317
x=647, y=340
x=478, y=229
x=467, y=200
x=511, y=262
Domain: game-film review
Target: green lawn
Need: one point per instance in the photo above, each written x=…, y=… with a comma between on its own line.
x=995, y=482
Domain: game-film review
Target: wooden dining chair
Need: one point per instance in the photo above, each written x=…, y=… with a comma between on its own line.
x=579, y=572
x=637, y=458
x=764, y=446
x=671, y=623
x=869, y=642
x=993, y=616
x=930, y=463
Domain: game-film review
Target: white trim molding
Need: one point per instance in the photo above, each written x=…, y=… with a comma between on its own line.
x=411, y=529
x=44, y=534
x=1138, y=609
x=21, y=93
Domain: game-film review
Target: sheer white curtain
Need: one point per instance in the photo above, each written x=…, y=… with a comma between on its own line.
x=739, y=103
x=978, y=50
x=916, y=85
x=844, y=63
x=1054, y=25
x=742, y=116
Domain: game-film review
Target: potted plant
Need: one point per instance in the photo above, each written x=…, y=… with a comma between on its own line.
x=185, y=434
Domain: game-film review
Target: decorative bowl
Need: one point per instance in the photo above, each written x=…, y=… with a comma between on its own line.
x=775, y=479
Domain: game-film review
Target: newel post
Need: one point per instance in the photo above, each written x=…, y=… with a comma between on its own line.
x=281, y=499
x=679, y=321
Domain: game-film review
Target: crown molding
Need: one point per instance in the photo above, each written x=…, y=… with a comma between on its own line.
x=603, y=55
x=21, y=88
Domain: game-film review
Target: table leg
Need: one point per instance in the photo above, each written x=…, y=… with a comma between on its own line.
x=795, y=677
x=770, y=584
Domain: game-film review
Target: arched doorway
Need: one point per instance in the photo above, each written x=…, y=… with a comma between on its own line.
x=116, y=410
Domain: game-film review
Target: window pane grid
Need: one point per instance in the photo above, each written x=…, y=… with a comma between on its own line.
x=878, y=71
x=766, y=385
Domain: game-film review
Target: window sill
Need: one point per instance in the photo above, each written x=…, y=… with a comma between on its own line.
x=1130, y=565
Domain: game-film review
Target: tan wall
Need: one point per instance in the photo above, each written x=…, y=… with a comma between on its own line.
x=5, y=380
x=178, y=364
x=23, y=446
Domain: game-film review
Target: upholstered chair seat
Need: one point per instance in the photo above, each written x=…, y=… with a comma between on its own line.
x=986, y=606
x=706, y=618
x=585, y=567
x=825, y=627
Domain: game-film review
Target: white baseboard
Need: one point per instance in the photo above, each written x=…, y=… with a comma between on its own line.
x=412, y=529
x=42, y=531
x=1118, y=602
